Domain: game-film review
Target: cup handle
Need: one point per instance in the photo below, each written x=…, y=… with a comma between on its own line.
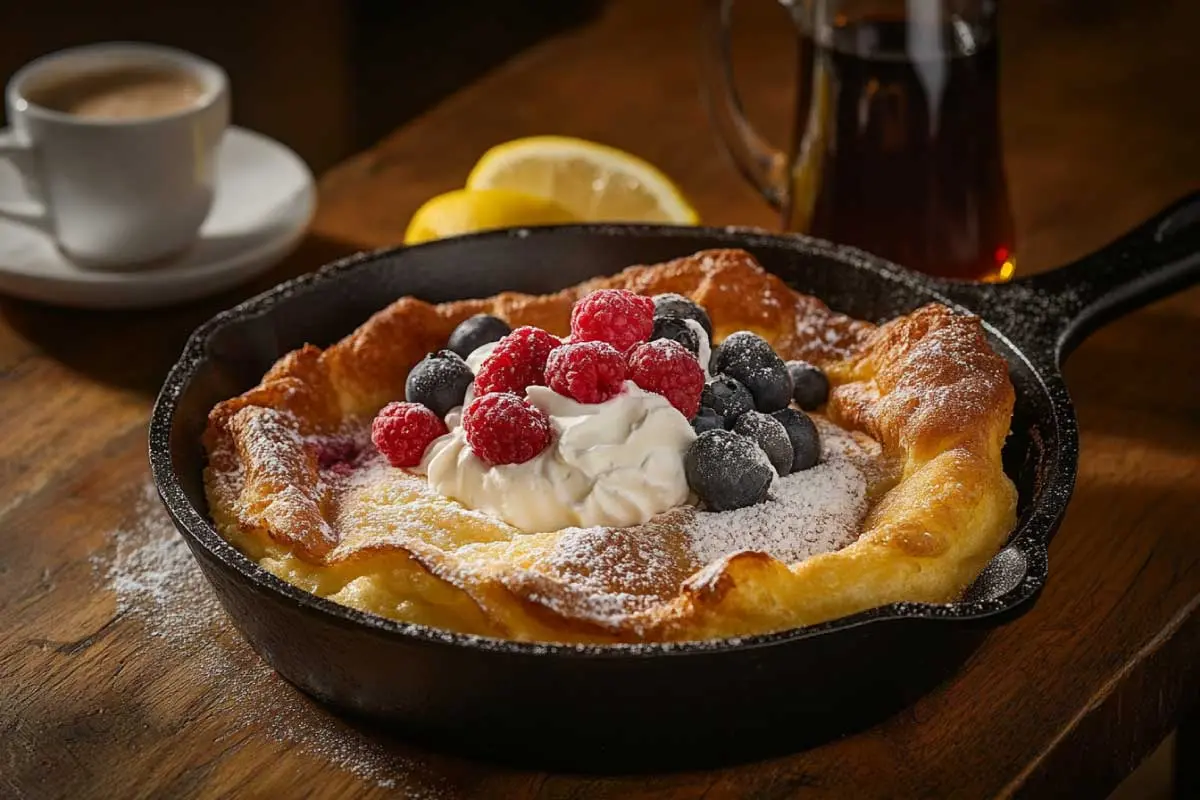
x=16, y=150
x=765, y=166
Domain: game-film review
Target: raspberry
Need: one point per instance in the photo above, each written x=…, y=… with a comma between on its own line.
x=617, y=316
x=402, y=432
x=590, y=372
x=645, y=303
x=504, y=429
x=666, y=367
x=519, y=360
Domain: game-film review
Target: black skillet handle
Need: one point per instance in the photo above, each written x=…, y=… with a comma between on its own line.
x=1052, y=312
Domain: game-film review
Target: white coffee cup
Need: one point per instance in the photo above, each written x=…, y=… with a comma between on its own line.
x=115, y=191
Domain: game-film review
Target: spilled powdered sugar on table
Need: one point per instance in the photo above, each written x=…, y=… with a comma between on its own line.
x=157, y=583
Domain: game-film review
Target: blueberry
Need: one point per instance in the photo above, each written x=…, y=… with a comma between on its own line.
x=476, y=331
x=768, y=433
x=810, y=387
x=806, y=441
x=679, y=307
x=707, y=420
x=749, y=358
x=727, y=471
x=677, y=330
x=712, y=359
x=728, y=397
x=439, y=382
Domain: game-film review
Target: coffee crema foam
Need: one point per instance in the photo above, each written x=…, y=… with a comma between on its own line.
x=120, y=93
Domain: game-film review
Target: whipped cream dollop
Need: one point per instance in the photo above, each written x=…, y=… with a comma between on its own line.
x=479, y=355
x=474, y=360
x=616, y=463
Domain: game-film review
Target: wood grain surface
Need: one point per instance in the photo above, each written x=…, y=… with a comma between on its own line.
x=119, y=676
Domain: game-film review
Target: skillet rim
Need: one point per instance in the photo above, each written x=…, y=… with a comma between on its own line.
x=1030, y=537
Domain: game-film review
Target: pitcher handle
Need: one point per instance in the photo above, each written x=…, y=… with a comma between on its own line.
x=765, y=166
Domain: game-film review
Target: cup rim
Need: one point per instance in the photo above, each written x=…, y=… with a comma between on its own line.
x=211, y=75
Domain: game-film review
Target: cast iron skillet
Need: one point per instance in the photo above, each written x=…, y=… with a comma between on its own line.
x=650, y=706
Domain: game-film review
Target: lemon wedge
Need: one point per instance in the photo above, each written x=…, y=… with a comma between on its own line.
x=594, y=182
x=467, y=211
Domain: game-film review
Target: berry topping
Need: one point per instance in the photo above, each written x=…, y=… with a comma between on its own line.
x=749, y=358
x=667, y=368
x=617, y=316
x=439, y=382
x=476, y=331
x=806, y=441
x=810, y=387
x=677, y=331
x=728, y=397
x=707, y=420
x=680, y=307
x=714, y=354
x=768, y=433
x=502, y=428
x=727, y=470
x=590, y=372
x=402, y=431
x=518, y=361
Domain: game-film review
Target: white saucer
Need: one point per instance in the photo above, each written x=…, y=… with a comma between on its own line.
x=265, y=198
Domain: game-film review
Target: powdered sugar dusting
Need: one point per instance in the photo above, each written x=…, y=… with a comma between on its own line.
x=615, y=577
x=810, y=512
x=148, y=566
x=157, y=583
x=610, y=575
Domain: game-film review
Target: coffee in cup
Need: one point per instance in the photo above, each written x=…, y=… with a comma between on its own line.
x=124, y=93
x=118, y=145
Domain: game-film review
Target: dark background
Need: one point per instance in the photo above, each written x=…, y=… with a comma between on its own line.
x=326, y=77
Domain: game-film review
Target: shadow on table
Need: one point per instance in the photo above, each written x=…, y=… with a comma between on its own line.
x=133, y=350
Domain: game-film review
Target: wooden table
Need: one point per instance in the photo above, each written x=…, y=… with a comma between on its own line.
x=120, y=677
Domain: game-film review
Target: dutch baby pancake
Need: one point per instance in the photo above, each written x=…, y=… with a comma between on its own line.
x=683, y=451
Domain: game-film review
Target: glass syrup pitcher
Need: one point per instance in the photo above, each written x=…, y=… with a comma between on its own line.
x=896, y=140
